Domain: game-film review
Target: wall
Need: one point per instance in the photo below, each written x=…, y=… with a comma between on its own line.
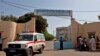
x=92, y=27
x=61, y=32
x=7, y=30
x=74, y=31
x=83, y=30
x=28, y=26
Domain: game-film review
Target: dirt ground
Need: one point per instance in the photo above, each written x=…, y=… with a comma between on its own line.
x=49, y=51
x=67, y=52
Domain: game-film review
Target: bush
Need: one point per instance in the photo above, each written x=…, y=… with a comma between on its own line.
x=49, y=37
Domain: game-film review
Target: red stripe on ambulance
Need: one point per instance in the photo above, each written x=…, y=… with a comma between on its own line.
x=35, y=42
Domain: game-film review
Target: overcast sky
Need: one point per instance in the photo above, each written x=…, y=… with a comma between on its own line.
x=54, y=22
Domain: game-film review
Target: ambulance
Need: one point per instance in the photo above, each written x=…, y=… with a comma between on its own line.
x=25, y=44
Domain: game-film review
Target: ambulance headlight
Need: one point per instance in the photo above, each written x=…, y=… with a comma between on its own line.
x=23, y=45
x=7, y=46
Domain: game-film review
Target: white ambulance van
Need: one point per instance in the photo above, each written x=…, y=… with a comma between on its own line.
x=26, y=44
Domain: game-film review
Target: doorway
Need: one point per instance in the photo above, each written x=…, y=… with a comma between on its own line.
x=91, y=34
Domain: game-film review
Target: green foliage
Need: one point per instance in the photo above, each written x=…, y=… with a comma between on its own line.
x=8, y=18
x=99, y=17
x=41, y=24
x=25, y=18
x=48, y=36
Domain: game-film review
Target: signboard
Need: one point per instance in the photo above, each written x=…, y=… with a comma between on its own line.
x=46, y=12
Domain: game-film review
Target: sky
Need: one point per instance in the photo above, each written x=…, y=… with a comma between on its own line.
x=77, y=6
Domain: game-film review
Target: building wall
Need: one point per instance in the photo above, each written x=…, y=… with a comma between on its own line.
x=75, y=29
x=83, y=30
x=28, y=26
x=61, y=32
x=92, y=27
x=7, y=30
x=72, y=32
x=64, y=32
x=69, y=33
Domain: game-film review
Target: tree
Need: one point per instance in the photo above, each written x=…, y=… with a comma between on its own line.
x=25, y=18
x=48, y=36
x=41, y=24
x=8, y=18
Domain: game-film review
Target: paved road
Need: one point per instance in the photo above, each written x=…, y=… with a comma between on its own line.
x=49, y=51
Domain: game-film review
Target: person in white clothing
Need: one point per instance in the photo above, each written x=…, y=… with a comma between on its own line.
x=92, y=44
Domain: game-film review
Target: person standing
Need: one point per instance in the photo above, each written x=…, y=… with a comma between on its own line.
x=92, y=44
x=79, y=43
x=61, y=43
x=84, y=45
x=0, y=43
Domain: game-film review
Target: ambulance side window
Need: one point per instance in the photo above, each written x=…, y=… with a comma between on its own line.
x=43, y=37
x=35, y=38
x=39, y=37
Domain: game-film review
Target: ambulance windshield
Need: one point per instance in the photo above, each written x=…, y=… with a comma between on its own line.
x=24, y=38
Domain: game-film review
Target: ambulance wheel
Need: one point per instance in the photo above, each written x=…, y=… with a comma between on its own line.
x=30, y=52
x=41, y=49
